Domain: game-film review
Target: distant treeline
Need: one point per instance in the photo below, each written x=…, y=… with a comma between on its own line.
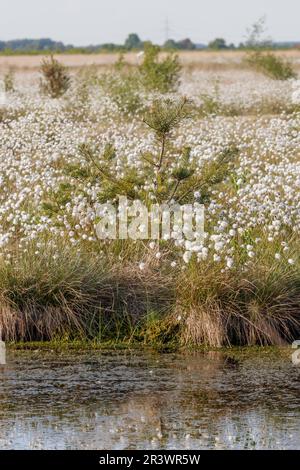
x=133, y=42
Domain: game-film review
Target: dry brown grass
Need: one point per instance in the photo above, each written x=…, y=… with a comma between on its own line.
x=221, y=309
x=211, y=60
x=42, y=298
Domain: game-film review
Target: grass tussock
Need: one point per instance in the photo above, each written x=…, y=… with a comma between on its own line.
x=261, y=306
x=76, y=296
x=99, y=298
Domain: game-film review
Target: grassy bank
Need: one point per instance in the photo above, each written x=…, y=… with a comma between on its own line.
x=107, y=298
x=234, y=353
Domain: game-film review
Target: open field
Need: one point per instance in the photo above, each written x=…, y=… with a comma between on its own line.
x=201, y=59
x=233, y=147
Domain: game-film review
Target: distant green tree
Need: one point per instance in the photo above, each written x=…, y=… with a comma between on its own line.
x=170, y=44
x=42, y=44
x=133, y=42
x=186, y=45
x=217, y=44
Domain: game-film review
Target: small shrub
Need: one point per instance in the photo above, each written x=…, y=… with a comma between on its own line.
x=163, y=117
x=123, y=87
x=120, y=63
x=271, y=65
x=156, y=75
x=210, y=104
x=55, y=79
x=126, y=85
x=171, y=171
x=84, y=81
x=261, y=58
x=9, y=82
x=123, y=90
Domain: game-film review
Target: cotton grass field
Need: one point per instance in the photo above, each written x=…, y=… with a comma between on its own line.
x=232, y=143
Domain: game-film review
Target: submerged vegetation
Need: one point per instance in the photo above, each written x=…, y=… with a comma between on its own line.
x=155, y=133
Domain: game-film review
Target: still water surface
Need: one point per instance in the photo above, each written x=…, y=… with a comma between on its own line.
x=109, y=400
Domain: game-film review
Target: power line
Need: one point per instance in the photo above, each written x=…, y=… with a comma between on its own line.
x=167, y=29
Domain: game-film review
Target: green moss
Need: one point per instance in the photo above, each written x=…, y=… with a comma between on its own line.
x=234, y=353
x=86, y=345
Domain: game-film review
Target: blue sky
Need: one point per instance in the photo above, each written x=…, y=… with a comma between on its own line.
x=82, y=22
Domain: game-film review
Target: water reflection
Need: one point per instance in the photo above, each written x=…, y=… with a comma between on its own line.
x=120, y=401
